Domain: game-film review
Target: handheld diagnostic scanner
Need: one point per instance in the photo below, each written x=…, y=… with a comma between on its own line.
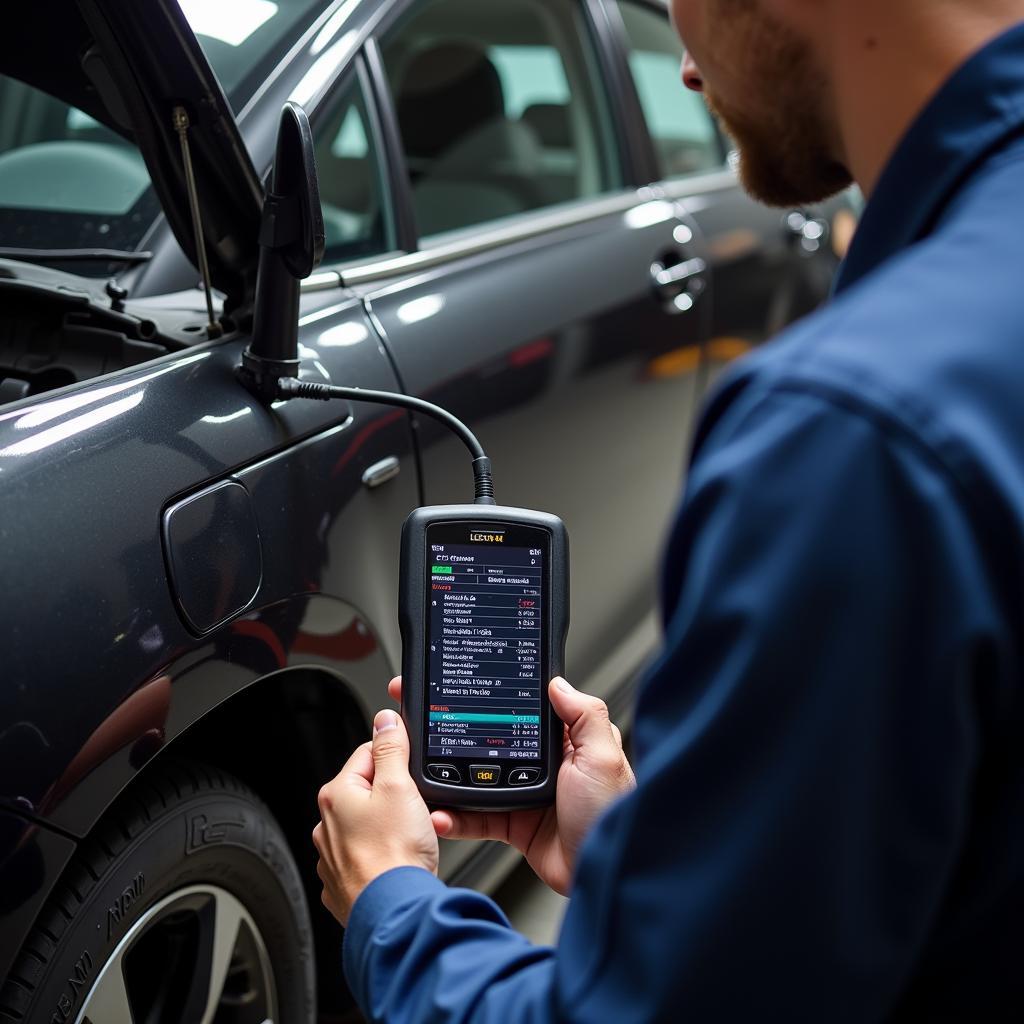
x=483, y=612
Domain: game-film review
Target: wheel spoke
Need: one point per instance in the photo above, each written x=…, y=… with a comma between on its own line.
x=228, y=916
x=107, y=1002
x=162, y=950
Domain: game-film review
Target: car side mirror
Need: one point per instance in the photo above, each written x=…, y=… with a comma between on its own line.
x=291, y=247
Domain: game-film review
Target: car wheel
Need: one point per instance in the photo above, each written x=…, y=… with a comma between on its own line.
x=183, y=905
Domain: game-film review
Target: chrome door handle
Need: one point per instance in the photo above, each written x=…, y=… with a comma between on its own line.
x=677, y=273
x=678, y=285
x=381, y=472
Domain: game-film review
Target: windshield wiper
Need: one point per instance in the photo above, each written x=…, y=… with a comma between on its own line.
x=59, y=255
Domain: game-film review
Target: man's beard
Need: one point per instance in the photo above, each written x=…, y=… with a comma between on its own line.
x=782, y=135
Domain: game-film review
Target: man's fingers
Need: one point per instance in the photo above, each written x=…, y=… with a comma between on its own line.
x=395, y=689
x=471, y=825
x=390, y=749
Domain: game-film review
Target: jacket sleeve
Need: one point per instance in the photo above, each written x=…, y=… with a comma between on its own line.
x=805, y=745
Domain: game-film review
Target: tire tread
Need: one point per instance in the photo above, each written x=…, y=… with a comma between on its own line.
x=164, y=785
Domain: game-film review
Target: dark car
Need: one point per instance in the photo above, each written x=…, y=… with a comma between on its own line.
x=528, y=221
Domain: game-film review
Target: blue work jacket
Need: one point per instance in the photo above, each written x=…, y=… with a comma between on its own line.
x=829, y=823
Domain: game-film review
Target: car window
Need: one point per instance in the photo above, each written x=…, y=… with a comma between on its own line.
x=681, y=128
x=67, y=181
x=356, y=221
x=497, y=109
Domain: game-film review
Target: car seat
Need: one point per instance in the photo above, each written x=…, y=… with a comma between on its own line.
x=468, y=162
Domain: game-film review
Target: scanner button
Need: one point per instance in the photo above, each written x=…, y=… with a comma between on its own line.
x=523, y=776
x=485, y=774
x=444, y=773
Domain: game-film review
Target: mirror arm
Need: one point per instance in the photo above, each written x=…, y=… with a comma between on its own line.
x=291, y=243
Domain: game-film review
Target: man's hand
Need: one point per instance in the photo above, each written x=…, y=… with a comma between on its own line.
x=593, y=773
x=373, y=818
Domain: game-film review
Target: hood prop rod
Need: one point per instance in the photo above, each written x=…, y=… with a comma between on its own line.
x=181, y=126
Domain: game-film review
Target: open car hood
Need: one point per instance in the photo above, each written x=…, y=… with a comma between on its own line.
x=129, y=64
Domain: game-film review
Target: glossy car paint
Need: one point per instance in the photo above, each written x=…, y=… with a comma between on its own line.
x=555, y=347
x=97, y=468
x=549, y=371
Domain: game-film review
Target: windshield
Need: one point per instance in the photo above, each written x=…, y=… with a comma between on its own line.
x=69, y=182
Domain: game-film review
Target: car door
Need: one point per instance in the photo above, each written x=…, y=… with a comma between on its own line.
x=530, y=306
x=770, y=266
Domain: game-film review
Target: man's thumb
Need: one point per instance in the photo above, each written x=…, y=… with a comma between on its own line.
x=586, y=716
x=390, y=746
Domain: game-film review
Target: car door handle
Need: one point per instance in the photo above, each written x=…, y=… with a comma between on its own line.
x=381, y=472
x=678, y=285
x=677, y=273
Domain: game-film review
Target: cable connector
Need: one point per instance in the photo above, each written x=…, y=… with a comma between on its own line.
x=483, y=485
x=292, y=387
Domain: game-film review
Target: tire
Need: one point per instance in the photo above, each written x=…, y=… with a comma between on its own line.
x=140, y=925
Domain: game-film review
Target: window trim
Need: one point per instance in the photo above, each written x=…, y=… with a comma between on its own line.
x=474, y=241
x=659, y=9
x=477, y=239
x=355, y=73
x=631, y=125
x=392, y=156
x=298, y=59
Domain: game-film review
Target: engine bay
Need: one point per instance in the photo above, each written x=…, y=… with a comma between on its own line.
x=54, y=337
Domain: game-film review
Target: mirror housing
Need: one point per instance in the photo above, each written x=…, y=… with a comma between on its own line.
x=291, y=247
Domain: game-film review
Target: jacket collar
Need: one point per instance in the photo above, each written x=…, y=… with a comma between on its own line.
x=968, y=118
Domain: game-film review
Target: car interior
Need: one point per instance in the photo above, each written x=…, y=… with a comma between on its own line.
x=480, y=144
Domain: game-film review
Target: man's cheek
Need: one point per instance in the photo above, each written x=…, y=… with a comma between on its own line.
x=688, y=18
x=678, y=14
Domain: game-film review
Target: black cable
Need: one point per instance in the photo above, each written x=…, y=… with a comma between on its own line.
x=291, y=387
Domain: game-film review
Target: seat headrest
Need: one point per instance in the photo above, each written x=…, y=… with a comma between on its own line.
x=551, y=123
x=447, y=91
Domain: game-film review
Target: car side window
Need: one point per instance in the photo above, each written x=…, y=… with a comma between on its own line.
x=352, y=194
x=497, y=109
x=681, y=128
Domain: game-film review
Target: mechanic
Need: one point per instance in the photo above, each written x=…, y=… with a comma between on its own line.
x=829, y=821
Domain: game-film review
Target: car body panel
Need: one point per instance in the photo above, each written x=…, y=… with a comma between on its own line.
x=87, y=477
x=547, y=371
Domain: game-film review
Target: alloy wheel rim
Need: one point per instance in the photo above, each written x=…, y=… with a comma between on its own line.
x=194, y=956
